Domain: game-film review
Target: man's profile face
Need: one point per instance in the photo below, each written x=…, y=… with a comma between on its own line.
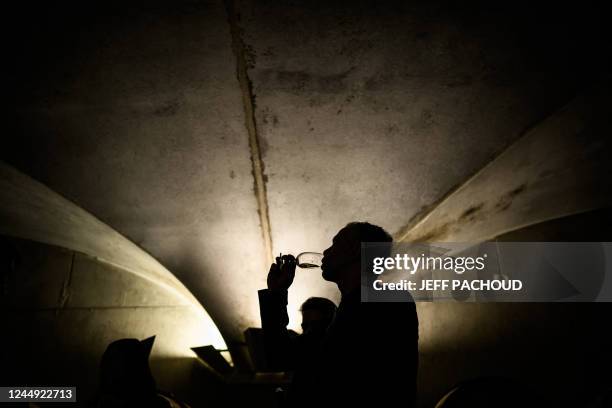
x=341, y=253
x=313, y=320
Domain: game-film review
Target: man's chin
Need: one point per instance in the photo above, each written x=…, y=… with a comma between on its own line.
x=328, y=275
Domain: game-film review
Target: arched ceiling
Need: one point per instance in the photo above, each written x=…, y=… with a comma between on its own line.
x=361, y=112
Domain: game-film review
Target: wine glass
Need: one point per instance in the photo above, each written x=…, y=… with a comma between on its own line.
x=307, y=260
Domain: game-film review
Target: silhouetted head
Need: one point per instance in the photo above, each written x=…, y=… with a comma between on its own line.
x=124, y=369
x=342, y=260
x=317, y=314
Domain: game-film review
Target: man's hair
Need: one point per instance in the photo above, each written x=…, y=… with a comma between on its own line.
x=323, y=305
x=367, y=232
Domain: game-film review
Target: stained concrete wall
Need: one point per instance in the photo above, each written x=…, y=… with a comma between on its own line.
x=376, y=110
x=138, y=118
x=28, y=209
x=71, y=285
x=61, y=308
x=31, y=211
x=560, y=167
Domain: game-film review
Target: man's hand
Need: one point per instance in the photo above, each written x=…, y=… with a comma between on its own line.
x=281, y=273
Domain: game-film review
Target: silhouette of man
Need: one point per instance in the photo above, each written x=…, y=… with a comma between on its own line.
x=369, y=354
